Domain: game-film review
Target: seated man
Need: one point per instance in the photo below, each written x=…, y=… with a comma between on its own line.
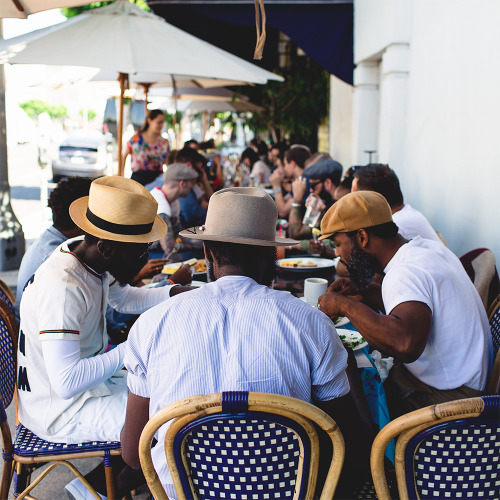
x=434, y=322
x=67, y=392
x=324, y=177
x=235, y=333
x=179, y=179
x=63, y=228
x=383, y=180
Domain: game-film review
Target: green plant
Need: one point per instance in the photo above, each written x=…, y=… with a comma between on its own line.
x=91, y=114
x=74, y=11
x=34, y=108
x=295, y=108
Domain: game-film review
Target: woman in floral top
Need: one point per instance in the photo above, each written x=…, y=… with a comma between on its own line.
x=148, y=149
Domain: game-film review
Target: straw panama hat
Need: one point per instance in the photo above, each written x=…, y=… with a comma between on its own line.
x=119, y=209
x=355, y=211
x=242, y=215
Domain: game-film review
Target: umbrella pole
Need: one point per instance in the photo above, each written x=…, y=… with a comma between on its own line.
x=12, y=236
x=174, y=86
x=122, y=78
x=146, y=87
x=205, y=115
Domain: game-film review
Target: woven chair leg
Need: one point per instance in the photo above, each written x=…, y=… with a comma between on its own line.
x=20, y=478
x=110, y=477
x=6, y=479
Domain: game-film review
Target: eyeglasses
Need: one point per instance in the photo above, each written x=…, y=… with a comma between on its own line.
x=312, y=185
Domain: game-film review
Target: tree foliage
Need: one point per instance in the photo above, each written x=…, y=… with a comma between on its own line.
x=295, y=108
x=34, y=108
x=74, y=11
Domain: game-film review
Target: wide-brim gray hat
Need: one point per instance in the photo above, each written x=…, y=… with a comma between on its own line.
x=243, y=215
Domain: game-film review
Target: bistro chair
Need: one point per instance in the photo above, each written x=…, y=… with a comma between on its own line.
x=480, y=266
x=28, y=451
x=242, y=445
x=450, y=450
x=6, y=293
x=494, y=318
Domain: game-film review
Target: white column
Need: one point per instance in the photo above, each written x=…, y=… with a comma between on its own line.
x=393, y=105
x=365, y=111
x=340, y=120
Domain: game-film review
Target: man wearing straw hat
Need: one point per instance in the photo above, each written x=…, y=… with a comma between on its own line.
x=235, y=333
x=67, y=388
x=435, y=324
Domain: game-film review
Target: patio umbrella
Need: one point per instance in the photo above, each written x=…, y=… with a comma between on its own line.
x=124, y=38
x=23, y=8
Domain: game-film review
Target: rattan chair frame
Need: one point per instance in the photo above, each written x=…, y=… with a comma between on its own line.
x=190, y=409
x=494, y=383
x=8, y=292
x=21, y=464
x=493, y=307
x=408, y=426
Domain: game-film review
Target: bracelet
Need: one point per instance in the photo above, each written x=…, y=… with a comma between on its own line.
x=276, y=190
x=296, y=204
x=171, y=282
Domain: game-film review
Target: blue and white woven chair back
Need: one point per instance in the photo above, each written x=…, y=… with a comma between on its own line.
x=5, y=297
x=495, y=329
x=242, y=456
x=7, y=364
x=458, y=458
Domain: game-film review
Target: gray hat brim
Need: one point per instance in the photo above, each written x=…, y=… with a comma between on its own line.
x=198, y=233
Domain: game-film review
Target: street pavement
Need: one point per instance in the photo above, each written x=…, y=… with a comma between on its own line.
x=29, y=192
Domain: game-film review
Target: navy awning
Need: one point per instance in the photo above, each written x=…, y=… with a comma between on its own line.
x=323, y=29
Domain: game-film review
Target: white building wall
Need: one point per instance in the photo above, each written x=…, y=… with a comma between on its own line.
x=452, y=169
x=433, y=109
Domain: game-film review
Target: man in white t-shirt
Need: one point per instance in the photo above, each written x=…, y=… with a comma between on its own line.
x=434, y=321
x=179, y=179
x=68, y=386
x=383, y=180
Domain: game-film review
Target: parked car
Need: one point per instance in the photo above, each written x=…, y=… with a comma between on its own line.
x=82, y=154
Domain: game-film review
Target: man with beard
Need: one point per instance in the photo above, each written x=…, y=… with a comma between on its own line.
x=235, y=333
x=324, y=177
x=69, y=388
x=434, y=323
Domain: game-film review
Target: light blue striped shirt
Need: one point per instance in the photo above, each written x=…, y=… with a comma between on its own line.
x=233, y=335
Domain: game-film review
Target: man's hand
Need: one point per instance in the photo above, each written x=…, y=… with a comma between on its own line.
x=332, y=304
x=299, y=189
x=316, y=246
x=183, y=275
x=150, y=269
x=275, y=179
x=343, y=286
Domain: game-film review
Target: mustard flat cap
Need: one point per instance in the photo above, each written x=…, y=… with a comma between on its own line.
x=355, y=211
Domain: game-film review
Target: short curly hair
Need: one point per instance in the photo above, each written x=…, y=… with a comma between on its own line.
x=66, y=192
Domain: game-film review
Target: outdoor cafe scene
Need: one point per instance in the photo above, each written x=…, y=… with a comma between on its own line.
x=242, y=254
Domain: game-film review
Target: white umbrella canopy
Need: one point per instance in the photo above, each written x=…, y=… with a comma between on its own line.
x=124, y=38
x=23, y=8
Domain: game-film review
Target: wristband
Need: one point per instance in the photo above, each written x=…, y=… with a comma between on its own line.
x=296, y=204
x=171, y=282
x=276, y=190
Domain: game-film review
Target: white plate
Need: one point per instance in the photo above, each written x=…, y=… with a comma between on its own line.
x=318, y=263
x=343, y=321
x=303, y=299
x=348, y=336
x=197, y=284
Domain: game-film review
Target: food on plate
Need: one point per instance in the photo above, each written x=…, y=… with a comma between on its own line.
x=199, y=266
x=350, y=338
x=298, y=263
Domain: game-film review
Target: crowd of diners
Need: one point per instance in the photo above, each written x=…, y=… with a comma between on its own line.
x=84, y=315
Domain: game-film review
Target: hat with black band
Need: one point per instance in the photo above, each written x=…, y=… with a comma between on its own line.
x=119, y=209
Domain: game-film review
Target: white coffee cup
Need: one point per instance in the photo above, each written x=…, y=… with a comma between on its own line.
x=313, y=288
